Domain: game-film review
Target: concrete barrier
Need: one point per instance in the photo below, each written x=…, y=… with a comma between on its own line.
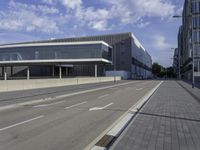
x=15, y=85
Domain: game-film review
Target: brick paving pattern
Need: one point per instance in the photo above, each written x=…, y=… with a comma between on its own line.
x=169, y=121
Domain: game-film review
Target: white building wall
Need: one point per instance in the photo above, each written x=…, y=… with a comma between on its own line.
x=139, y=53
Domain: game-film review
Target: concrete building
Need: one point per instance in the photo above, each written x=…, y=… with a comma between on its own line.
x=111, y=55
x=189, y=40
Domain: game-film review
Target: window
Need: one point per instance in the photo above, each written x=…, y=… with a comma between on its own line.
x=36, y=55
x=195, y=7
x=199, y=65
x=196, y=66
x=196, y=21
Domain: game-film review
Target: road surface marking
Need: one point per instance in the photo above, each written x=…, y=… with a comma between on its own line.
x=75, y=105
x=139, y=89
x=17, y=105
x=100, y=108
x=93, y=145
x=23, y=122
x=45, y=105
x=103, y=96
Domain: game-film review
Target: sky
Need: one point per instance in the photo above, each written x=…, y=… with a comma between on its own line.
x=150, y=21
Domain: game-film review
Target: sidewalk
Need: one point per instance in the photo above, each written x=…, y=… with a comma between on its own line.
x=169, y=121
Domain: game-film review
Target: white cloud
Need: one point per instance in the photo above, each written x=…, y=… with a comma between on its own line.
x=133, y=11
x=48, y=1
x=160, y=43
x=20, y=17
x=72, y=4
x=48, y=16
x=95, y=19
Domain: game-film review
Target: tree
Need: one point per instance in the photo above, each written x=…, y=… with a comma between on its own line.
x=156, y=69
x=160, y=71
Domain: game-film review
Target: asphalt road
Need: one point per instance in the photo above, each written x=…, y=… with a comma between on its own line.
x=70, y=122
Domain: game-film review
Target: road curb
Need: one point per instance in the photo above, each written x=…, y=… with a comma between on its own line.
x=114, y=131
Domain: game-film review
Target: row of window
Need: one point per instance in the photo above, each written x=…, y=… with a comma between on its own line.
x=197, y=65
x=55, y=52
x=197, y=50
x=196, y=21
x=195, y=7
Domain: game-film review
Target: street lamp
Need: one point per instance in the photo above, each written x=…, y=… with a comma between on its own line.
x=190, y=16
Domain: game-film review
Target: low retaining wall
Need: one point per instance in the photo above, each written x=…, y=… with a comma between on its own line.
x=15, y=85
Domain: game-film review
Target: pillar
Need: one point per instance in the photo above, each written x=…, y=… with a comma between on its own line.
x=60, y=72
x=104, y=70
x=28, y=73
x=11, y=71
x=5, y=73
x=53, y=71
x=96, y=70
x=66, y=71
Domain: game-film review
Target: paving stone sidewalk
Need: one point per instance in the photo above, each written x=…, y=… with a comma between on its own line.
x=169, y=121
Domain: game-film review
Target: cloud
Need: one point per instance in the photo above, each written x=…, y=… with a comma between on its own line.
x=24, y=17
x=160, y=43
x=72, y=4
x=48, y=1
x=134, y=11
x=48, y=16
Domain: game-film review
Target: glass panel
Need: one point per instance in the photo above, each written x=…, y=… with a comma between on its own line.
x=195, y=66
x=199, y=66
x=55, y=52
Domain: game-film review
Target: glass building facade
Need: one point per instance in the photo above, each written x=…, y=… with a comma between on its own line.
x=120, y=53
x=189, y=40
x=55, y=52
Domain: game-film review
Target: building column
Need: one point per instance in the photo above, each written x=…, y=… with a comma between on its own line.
x=96, y=70
x=53, y=71
x=11, y=71
x=104, y=70
x=5, y=73
x=66, y=71
x=60, y=72
x=28, y=73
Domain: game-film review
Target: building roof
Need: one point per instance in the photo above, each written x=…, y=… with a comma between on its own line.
x=53, y=44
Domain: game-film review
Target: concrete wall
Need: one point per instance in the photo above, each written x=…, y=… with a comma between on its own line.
x=122, y=74
x=15, y=85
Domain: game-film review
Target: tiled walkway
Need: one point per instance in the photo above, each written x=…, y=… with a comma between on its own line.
x=169, y=121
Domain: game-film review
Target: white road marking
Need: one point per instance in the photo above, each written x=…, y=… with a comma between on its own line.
x=75, y=105
x=17, y=105
x=139, y=89
x=100, y=108
x=103, y=96
x=131, y=112
x=45, y=105
x=23, y=122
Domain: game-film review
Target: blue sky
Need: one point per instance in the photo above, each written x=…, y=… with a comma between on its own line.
x=150, y=20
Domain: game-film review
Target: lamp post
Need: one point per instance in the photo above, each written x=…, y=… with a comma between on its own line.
x=190, y=16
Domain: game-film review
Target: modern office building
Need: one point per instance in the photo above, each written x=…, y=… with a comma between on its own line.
x=189, y=40
x=111, y=55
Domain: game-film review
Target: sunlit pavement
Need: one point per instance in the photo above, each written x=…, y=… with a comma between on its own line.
x=169, y=121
